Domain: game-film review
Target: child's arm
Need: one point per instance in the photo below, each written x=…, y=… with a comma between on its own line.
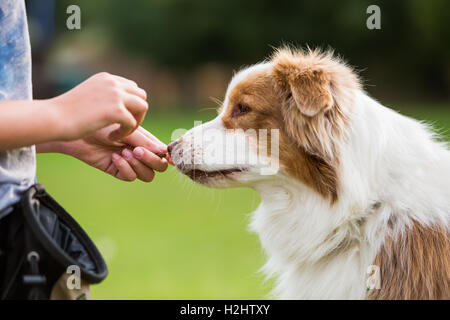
x=24, y=123
x=96, y=122
x=101, y=100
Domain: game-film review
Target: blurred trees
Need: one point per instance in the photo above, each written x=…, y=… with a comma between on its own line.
x=411, y=51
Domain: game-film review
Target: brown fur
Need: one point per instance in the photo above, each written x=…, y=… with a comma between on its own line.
x=416, y=265
x=302, y=97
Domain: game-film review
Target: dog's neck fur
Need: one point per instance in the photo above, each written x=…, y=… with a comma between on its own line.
x=309, y=248
x=320, y=251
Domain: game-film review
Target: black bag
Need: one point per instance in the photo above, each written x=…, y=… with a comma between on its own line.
x=39, y=240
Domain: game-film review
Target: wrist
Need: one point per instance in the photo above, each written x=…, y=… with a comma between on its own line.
x=71, y=148
x=52, y=147
x=56, y=119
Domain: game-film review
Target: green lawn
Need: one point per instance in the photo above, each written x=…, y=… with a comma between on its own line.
x=170, y=238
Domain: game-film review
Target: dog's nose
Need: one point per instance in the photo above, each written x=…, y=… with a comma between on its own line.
x=171, y=146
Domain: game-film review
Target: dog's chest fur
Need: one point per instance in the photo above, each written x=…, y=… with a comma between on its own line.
x=312, y=255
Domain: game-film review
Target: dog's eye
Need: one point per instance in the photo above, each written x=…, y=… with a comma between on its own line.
x=241, y=109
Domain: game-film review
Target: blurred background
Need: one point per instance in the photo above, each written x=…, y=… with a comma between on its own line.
x=170, y=238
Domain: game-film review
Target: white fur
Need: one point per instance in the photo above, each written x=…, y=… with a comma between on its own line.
x=391, y=166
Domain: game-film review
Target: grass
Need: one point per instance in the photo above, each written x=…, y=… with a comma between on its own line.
x=171, y=239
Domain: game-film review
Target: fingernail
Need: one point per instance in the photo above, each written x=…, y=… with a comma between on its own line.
x=127, y=154
x=163, y=149
x=138, y=152
x=115, y=156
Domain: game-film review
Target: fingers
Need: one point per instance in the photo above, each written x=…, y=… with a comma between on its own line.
x=136, y=105
x=124, y=170
x=152, y=137
x=130, y=117
x=142, y=171
x=132, y=88
x=150, y=159
x=138, y=138
x=112, y=170
x=137, y=164
x=127, y=125
x=133, y=105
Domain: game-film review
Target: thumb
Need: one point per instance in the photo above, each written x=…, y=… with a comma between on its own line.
x=138, y=139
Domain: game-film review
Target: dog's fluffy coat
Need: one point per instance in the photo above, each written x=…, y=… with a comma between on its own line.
x=359, y=184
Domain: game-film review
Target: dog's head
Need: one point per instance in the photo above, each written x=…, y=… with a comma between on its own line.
x=282, y=118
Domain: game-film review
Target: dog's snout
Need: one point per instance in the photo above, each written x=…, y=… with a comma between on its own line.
x=171, y=146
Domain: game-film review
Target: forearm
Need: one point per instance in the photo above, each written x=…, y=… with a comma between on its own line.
x=72, y=148
x=27, y=122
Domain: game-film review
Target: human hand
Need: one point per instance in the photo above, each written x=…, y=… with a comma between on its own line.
x=133, y=157
x=98, y=102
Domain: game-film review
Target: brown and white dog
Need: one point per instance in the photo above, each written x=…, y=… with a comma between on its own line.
x=358, y=205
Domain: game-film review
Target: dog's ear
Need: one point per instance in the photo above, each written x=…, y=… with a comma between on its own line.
x=307, y=84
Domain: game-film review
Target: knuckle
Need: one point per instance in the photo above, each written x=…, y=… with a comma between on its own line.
x=112, y=83
x=144, y=94
x=114, y=113
x=145, y=106
x=116, y=97
x=104, y=75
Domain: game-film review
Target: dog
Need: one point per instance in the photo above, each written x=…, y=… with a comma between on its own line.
x=358, y=205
